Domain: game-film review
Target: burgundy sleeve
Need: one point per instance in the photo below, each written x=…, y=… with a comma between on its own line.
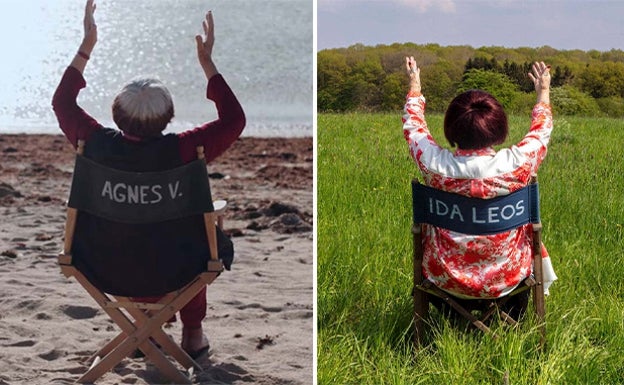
x=218, y=135
x=73, y=120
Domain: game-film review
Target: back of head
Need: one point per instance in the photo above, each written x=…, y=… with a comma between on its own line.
x=143, y=108
x=475, y=120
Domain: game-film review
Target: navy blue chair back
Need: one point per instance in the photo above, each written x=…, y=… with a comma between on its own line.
x=475, y=216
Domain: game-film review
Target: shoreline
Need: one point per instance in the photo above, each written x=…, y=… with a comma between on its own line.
x=292, y=130
x=260, y=314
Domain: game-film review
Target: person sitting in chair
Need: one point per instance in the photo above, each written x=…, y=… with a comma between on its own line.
x=142, y=111
x=468, y=266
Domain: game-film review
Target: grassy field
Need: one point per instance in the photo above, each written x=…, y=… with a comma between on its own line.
x=364, y=263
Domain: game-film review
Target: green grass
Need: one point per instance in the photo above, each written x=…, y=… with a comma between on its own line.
x=364, y=263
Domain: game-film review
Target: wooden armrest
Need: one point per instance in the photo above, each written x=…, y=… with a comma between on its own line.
x=219, y=210
x=219, y=206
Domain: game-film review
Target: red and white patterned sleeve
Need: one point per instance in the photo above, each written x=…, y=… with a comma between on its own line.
x=532, y=149
x=416, y=132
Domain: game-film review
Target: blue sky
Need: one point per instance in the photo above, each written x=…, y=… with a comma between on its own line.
x=561, y=24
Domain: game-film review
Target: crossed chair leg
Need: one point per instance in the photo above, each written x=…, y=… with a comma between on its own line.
x=427, y=288
x=144, y=331
x=495, y=306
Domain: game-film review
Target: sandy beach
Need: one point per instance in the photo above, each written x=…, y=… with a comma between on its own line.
x=260, y=314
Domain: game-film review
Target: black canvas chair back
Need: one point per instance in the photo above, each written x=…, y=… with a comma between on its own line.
x=140, y=197
x=140, y=233
x=474, y=216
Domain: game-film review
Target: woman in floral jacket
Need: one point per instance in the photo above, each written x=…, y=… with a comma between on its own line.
x=468, y=266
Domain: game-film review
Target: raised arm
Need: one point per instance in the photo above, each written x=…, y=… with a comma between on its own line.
x=423, y=148
x=89, y=39
x=73, y=120
x=414, y=122
x=532, y=148
x=216, y=136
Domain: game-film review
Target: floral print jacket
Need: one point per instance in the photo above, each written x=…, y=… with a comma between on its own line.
x=484, y=266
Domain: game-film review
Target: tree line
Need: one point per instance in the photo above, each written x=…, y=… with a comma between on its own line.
x=364, y=78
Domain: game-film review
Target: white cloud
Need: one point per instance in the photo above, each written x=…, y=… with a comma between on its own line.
x=446, y=6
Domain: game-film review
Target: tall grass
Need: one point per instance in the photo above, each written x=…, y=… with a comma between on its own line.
x=364, y=263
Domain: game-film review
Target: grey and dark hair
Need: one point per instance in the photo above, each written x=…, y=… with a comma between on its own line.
x=143, y=107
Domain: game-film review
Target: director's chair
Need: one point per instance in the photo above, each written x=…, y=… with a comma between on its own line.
x=161, y=202
x=444, y=210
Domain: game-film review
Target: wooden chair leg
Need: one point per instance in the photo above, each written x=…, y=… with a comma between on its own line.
x=103, y=364
x=421, y=300
x=497, y=306
x=421, y=312
x=167, y=344
x=151, y=351
x=109, y=346
x=494, y=307
x=538, y=289
x=138, y=335
x=507, y=318
x=540, y=311
x=461, y=310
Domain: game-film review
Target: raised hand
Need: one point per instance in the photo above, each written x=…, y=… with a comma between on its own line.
x=414, y=73
x=90, y=28
x=88, y=41
x=540, y=76
x=205, y=44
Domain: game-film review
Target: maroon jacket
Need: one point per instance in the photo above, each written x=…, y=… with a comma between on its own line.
x=215, y=136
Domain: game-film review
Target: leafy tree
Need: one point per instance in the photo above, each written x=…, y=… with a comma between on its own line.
x=438, y=87
x=612, y=106
x=481, y=62
x=615, y=55
x=499, y=85
x=518, y=73
x=366, y=80
x=372, y=78
x=568, y=100
x=603, y=79
x=332, y=73
x=393, y=92
x=522, y=104
x=561, y=77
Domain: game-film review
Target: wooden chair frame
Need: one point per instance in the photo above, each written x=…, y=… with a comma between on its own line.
x=423, y=288
x=140, y=322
